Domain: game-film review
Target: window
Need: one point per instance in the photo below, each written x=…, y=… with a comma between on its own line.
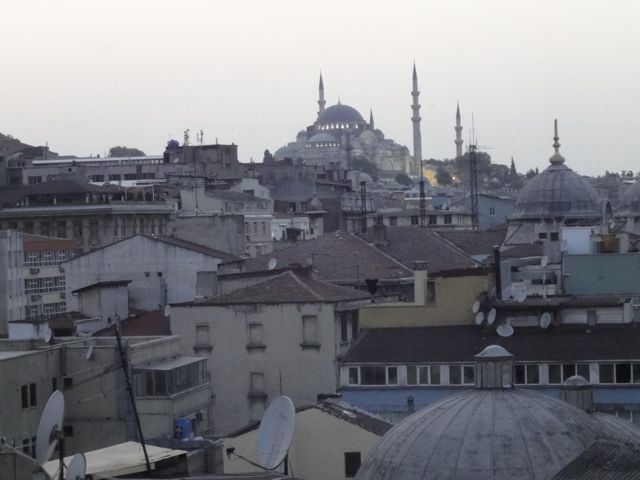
x=415, y=220
x=255, y=335
x=559, y=373
x=423, y=375
x=77, y=229
x=28, y=227
x=28, y=394
x=45, y=229
x=61, y=229
x=554, y=237
x=310, y=330
x=158, y=383
x=527, y=374
x=354, y=378
x=373, y=376
x=351, y=463
x=542, y=235
x=606, y=373
x=461, y=374
x=29, y=446
x=619, y=373
x=448, y=219
x=431, y=291
x=114, y=177
x=492, y=211
x=433, y=219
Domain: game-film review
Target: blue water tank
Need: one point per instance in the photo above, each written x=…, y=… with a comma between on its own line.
x=182, y=428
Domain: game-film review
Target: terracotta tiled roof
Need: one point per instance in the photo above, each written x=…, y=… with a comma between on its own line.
x=287, y=287
x=142, y=324
x=335, y=257
x=461, y=343
x=411, y=244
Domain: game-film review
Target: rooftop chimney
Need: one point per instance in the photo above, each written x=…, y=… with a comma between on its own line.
x=420, y=275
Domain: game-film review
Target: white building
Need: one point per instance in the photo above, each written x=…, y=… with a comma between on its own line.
x=162, y=270
x=279, y=335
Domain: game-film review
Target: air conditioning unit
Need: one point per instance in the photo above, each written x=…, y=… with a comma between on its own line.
x=34, y=271
x=36, y=297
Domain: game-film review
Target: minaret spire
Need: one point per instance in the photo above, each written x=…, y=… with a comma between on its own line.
x=321, y=100
x=415, y=119
x=556, y=158
x=371, y=124
x=458, y=129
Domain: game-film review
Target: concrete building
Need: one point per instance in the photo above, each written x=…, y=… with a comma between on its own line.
x=344, y=434
x=167, y=386
x=281, y=335
x=161, y=270
x=89, y=215
x=493, y=210
x=225, y=233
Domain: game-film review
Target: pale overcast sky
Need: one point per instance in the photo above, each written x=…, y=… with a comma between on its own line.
x=87, y=75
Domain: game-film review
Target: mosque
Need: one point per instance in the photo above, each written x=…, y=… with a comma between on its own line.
x=340, y=133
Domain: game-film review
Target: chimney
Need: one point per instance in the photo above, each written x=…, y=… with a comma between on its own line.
x=420, y=276
x=498, y=273
x=380, y=233
x=577, y=391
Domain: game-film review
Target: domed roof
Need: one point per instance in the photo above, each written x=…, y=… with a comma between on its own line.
x=502, y=433
x=340, y=113
x=323, y=137
x=557, y=192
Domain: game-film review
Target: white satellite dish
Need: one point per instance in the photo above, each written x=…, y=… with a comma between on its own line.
x=50, y=427
x=520, y=293
x=479, y=318
x=475, y=308
x=167, y=310
x=544, y=261
x=545, y=320
x=275, y=432
x=272, y=264
x=48, y=335
x=507, y=294
x=89, y=355
x=309, y=261
x=491, y=316
x=77, y=469
x=505, y=330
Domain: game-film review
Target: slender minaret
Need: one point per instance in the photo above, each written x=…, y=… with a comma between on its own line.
x=417, y=137
x=321, y=101
x=458, y=129
x=371, y=124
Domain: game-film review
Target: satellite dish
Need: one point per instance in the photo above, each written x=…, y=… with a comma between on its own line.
x=272, y=264
x=48, y=335
x=89, y=355
x=475, y=308
x=77, y=469
x=309, y=261
x=50, y=427
x=491, y=316
x=479, y=318
x=167, y=310
x=520, y=293
x=505, y=330
x=544, y=261
x=545, y=320
x=507, y=294
x=275, y=432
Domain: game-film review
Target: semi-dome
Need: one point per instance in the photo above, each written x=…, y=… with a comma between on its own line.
x=323, y=138
x=556, y=192
x=340, y=114
x=500, y=433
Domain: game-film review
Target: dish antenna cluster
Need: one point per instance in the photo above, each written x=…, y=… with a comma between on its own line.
x=480, y=316
x=50, y=434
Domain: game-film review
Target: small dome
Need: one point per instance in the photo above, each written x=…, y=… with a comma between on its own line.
x=494, y=351
x=315, y=204
x=323, y=138
x=340, y=113
x=576, y=381
x=516, y=434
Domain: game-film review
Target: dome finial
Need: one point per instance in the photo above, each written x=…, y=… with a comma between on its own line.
x=556, y=158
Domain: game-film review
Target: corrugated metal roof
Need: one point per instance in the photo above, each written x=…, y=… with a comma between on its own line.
x=605, y=460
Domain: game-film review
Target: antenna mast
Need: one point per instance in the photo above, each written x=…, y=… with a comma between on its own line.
x=473, y=175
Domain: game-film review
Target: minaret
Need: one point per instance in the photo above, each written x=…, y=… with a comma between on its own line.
x=371, y=124
x=417, y=137
x=321, y=101
x=458, y=129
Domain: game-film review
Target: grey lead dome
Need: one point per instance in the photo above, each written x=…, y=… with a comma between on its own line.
x=481, y=434
x=340, y=113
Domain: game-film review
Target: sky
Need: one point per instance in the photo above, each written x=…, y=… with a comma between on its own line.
x=86, y=75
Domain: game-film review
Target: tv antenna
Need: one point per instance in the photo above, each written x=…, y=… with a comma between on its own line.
x=200, y=137
x=475, y=307
x=49, y=432
x=479, y=318
x=77, y=469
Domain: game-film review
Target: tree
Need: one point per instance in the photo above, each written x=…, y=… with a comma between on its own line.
x=125, y=152
x=403, y=179
x=512, y=169
x=443, y=177
x=530, y=173
x=364, y=165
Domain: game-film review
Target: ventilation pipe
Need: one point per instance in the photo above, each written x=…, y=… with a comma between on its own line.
x=420, y=276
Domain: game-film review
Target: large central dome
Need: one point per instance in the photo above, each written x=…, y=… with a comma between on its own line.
x=340, y=113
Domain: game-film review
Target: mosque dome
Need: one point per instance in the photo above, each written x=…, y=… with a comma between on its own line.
x=557, y=191
x=340, y=113
x=323, y=138
x=504, y=433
